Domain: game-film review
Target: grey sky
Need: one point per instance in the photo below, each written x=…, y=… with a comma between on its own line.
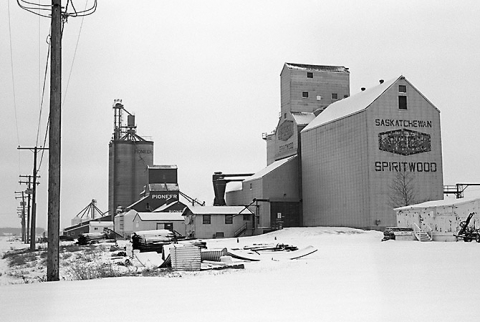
x=202, y=78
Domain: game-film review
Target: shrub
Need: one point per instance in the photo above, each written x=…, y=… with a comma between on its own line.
x=71, y=248
x=92, y=270
x=16, y=261
x=19, y=259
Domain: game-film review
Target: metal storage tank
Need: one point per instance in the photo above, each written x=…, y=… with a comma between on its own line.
x=128, y=162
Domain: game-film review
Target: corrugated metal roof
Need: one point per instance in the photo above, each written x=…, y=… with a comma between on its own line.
x=269, y=168
x=166, y=206
x=219, y=210
x=350, y=105
x=303, y=118
x=137, y=202
x=157, y=216
x=319, y=68
x=439, y=203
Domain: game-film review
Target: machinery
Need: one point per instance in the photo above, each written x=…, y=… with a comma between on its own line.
x=466, y=232
x=220, y=181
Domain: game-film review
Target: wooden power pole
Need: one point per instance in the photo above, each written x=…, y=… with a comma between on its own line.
x=53, y=261
x=23, y=213
x=33, y=194
x=56, y=17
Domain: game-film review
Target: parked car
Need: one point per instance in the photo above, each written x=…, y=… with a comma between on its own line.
x=397, y=232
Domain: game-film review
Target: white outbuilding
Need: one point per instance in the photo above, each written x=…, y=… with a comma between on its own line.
x=172, y=221
x=440, y=218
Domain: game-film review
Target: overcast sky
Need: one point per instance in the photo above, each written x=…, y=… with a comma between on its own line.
x=202, y=78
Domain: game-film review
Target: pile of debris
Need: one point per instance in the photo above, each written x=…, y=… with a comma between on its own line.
x=161, y=249
x=94, y=238
x=276, y=252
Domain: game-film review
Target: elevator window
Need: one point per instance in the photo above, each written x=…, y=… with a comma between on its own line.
x=402, y=102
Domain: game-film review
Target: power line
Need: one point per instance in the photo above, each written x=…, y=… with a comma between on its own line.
x=43, y=95
x=44, y=10
x=44, y=143
x=13, y=82
x=66, y=89
x=74, y=55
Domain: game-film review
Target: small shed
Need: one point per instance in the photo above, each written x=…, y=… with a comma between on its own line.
x=218, y=221
x=88, y=226
x=440, y=218
x=173, y=221
x=99, y=226
x=124, y=222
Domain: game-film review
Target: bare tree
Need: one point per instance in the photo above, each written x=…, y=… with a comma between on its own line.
x=402, y=190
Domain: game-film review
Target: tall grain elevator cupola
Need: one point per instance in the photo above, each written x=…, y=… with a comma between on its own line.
x=130, y=155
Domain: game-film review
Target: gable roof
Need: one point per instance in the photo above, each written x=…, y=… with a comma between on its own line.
x=440, y=203
x=137, y=202
x=272, y=166
x=350, y=105
x=167, y=205
x=157, y=216
x=219, y=210
x=303, y=118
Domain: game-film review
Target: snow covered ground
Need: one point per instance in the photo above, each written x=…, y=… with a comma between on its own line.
x=352, y=277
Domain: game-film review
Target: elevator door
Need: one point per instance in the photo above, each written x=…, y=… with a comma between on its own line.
x=284, y=214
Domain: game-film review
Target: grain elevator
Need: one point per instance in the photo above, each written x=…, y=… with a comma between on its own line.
x=130, y=155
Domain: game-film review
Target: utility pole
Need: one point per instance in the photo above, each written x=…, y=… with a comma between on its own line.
x=22, y=215
x=56, y=15
x=53, y=254
x=31, y=210
x=34, y=194
x=28, y=192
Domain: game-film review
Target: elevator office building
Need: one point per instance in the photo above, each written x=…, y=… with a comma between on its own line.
x=336, y=160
